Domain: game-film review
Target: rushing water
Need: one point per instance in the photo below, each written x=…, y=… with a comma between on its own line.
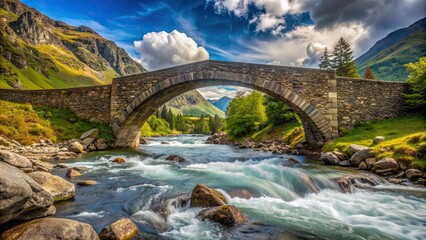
x=280, y=201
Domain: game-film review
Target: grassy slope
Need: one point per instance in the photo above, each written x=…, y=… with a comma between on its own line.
x=26, y=124
x=405, y=139
x=389, y=63
x=192, y=103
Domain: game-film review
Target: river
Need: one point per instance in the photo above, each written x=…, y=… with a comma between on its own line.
x=280, y=201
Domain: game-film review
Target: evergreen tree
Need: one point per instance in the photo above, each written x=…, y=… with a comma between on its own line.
x=180, y=123
x=170, y=119
x=342, y=60
x=163, y=113
x=368, y=74
x=201, y=126
x=325, y=62
x=215, y=124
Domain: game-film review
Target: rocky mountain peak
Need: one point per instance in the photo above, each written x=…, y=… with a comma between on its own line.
x=83, y=28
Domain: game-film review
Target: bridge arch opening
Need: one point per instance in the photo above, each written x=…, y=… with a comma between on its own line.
x=127, y=125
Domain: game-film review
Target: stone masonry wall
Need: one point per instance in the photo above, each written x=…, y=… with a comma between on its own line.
x=91, y=103
x=361, y=100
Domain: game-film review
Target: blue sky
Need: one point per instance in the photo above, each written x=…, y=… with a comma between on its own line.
x=287, y=32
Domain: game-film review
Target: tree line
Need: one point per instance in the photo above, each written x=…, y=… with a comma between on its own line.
x=341, y=60
x=249, y=112
x=165, y=122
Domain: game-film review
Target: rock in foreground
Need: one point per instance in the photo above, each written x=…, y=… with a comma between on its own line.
x=330, y=158
x=51, y=228
x=385, y=165
x=119, y=160
x=203, y=196
x=21, y=197
x=175, y=158
x=227, y=215
x=59, y=188
x=122, y=229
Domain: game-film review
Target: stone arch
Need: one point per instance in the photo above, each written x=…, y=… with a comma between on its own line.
x=127, y=125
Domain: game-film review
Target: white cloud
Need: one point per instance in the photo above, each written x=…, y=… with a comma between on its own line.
x=271, y=18
x=161, y=49
x=215, y=93
x=302, y=46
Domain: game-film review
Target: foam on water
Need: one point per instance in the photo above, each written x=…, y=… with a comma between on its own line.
x=91, y=214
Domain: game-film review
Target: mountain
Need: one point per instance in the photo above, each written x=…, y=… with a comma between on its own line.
x=37, y=52
x=222, y=103
x=388, y=56
x=194, y=104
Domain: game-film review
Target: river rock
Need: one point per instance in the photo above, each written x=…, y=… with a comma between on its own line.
x=81, y=168
x=76, y=147
x=378, y=139
x=87, y=141
x=203, y=196
x=353, y=148
x=329, y=158
x=119, y=160
x=421, y=181
x=92, y=133
x=87, y=183
x=340, y=155
x=290, y=162
x=347, y=182
x=72, y=173
x=403, y=165
x=165, y=143
x=362, y=166
x=370, y=162
x=226, y=215
x=21, y=197
x=413, y=173
x=100, y=144
x=385, y=165
x=15, y=160
x=41, y=166
x=175, y=158
x=51, y=228
x=359, y=156
x=345, y=163
x=59, y=188
x=122, y=229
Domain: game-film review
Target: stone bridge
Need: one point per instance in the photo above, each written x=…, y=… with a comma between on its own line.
x=323, y=102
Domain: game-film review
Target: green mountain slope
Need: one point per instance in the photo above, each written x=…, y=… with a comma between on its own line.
x=37, y=52
x=192, y=103
x=388, y=56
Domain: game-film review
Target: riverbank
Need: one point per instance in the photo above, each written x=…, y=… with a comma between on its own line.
x=392, y=148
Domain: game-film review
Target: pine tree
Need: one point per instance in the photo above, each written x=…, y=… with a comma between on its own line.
x=163, y=113
x=325, y=62
x=342, y=60
x=170, y=119
x=368, y=74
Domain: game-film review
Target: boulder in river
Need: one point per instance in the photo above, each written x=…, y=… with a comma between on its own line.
x=329, y=158
x=370, y=162
x=362, y=165
x=100, y=144
x=203, y=196
x=59, y=188
x=385, y=165
x=92, y=133
x=87, y=183
x=15, y=160
x=345, y=163
x=76, y=147
x=226, y=215
x=122, y=229
x=340, y=155
x=87, y=141
x=353, y=148
x=22, y=197
x=175, y=158
x=119, y=160
x=73, y=173
x=359, y=156
x=413, y=173
x=51, y=228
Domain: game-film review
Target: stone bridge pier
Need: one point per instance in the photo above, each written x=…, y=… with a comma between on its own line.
x=323, y=102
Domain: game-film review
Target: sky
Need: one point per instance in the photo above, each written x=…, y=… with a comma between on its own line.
x=160, y=34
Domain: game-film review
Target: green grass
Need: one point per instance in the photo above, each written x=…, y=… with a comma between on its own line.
x=400, y=139
x=65, y=130
x=27, y=124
